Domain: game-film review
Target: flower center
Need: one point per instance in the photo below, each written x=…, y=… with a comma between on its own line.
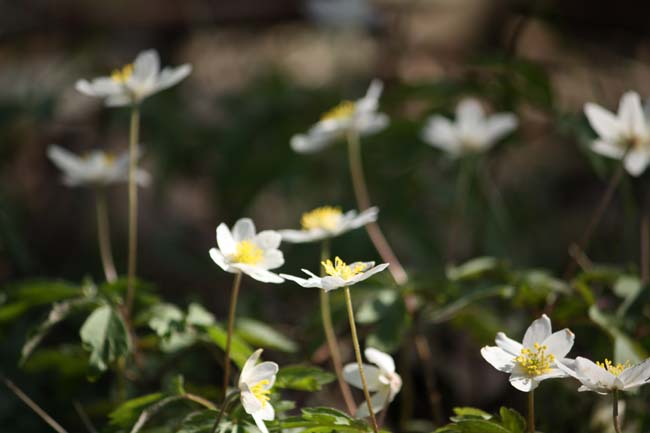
x=326, y=217
x=122, y=75
x=342, y=111
x=247, y=253
x=614, y=369
x=260, y=393
x=340, y=269
x=535, y=361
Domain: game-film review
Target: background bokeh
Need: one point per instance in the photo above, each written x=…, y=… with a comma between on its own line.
x=217, y=146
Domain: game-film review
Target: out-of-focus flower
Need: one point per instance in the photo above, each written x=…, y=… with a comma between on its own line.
x=134, y=82
x=328, y=222
x=382, y=380
x=255, y=385
x=242, y=250
x=338, y=274
x=472, y=132
x=536, y=359
x=606, y=377
x=95, y=168
x=626, y=131
x=360, y=116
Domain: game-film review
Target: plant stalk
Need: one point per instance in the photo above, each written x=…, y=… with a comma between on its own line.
x=133, y=205
x=531, y=411
x=615, y=417
x=357, y=352
x=231, y=323
x=104, y=237
x=224, y=406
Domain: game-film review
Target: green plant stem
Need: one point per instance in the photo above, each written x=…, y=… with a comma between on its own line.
x=104, y=237
x=645, y=248
x=531, y=411
x=330, y=335
x=357, y=352
x=616, y=420
x=33, y=406
x=225, y=405
x=231, y=323
x=363, y=202
x=133, y=205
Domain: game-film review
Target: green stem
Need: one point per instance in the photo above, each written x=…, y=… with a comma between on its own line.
x=224, y=406
x=617, y=421
x=231, y=322
x=531, y=411
x=330, y=335
x=357, y=352
x=133, y=205
x=103, y=236
x=363, y=202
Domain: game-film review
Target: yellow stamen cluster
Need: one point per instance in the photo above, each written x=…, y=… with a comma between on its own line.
x=325, y=217
x=122, y=75
x=614, y=369
x=261, y=394
x=247, y=253
x=340, y=269
x=535, y=361
x=343, y=110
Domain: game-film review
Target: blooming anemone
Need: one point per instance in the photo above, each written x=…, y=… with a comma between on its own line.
x=359, y=116
x=339, y=274
x=134, y=82
x=624, y=135
x=328, y=222
x=381, y=379
x=606, y=377
x=536, y=359
x=472, y=132
x=245, y=251
x=255, y=383
x=96, y=168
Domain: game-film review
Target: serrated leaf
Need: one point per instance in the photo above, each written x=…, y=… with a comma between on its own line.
x=239, y=350
x=106, y=337
x=512, y=420
x=260, y=334
x=202, y=422
x=303, y=378
x=480, y=426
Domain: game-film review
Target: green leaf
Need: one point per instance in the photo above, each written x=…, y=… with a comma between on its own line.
x=462, y=412
x=388, y=310
x=512, y=420
x=32, y=293
x=199, y=316
x=625, y=348
x=627, y=287
x=480, y=426
x=106, y=337
x=260, y=334
x=303, y=378
x=447, y=312
x=321, y=420
x=239, y=350
x=165, y=318
x=202, y=422
x=128, y=412
x=473, y=269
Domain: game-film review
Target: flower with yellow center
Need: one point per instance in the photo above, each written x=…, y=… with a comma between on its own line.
x=359, y=116
x=95, y=168
x=134, y=82
x=537, y=358
x=255, y=383
x=327, y=222
x=605, y=377
x=245, y=251
x=339, y=274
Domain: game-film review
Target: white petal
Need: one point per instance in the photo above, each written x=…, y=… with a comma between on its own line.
x=498, y=358
x=312, y=142
x=508, y=344
x=592, y=376
x=353, y=221
x=65, y=160
x=220, y=260
x=555, y=373
x=146, y=67
x=259, y=274
x=522, y=382
x=332, y=283
x=352, y=376
x=605, y=123
x=636, y=162
x=372, y=123
x=170, y=76
x=302, y=236
x=382, y=360
x=559, y=343
x=538, y=331
x=267, y=413
x=630, y=113
x=248, y=400
x=267, y=239
x=469, y=112
x=377, y=401
x=260, y=423
x=441, y=133
x=499, y=125
x=272, y=259
x=636, y=376
x=225, y=241
x=312, y=282
x=249, y=365
x=118, y=100
x=263, y=371
x=365, y=275
x=607, y=149
x=244, y=229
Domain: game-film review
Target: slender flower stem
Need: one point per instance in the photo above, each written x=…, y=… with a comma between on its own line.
x=231, y=322
x=357, y=352
x=133, y=205
x=223, y=408
x=104, y=237
x=645, y=248
x=616, y=420
x=33, y=406
x=531, y=411
x=330, y=335
x=363, y=202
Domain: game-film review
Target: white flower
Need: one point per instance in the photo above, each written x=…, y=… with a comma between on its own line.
x=473, y=131
x=96, y=168
x=247, y=252
x=360, y=116
x=328, y=222
x=255, y=383
x=382, y=380
x=536, y=359
x=338, y=274
x=134, y=82
x=606, y=377
x=626, y=130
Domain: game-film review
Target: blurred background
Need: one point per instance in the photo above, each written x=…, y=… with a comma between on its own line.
x=217, y=146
